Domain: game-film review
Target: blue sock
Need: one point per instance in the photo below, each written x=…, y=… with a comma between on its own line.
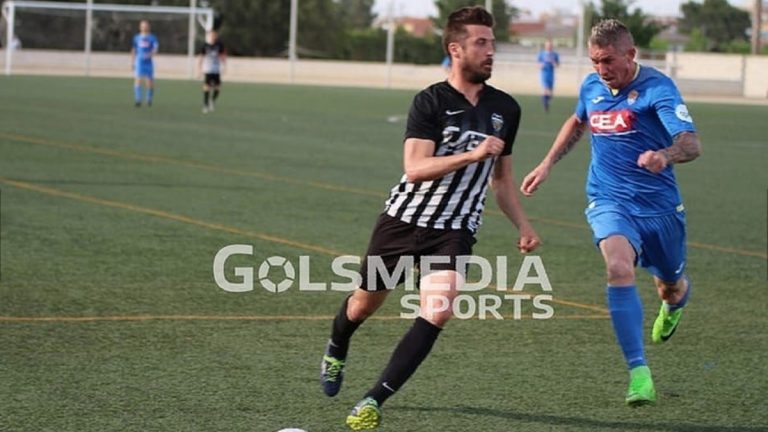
x=627, y=318
x=150, y=93
x=137, y=93
x=545, y=101
x=683, y=301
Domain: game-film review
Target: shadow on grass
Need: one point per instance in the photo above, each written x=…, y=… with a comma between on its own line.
x=586, y=423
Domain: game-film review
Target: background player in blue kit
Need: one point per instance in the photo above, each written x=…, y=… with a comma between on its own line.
x=548, y=60
x=142, y=52
x=640, y=127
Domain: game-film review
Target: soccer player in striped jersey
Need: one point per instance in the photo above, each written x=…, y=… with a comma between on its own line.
x=459, y=135
x=212, y=58
x=144, y=48
x=640, y=128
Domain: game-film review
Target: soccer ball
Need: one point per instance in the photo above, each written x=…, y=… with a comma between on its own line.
x=291, y=430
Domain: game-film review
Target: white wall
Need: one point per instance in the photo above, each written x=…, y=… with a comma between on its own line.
x=697, y=74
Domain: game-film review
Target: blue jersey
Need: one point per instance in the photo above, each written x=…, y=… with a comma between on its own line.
x=145, y=46
x=548, y=60
x=645, y=115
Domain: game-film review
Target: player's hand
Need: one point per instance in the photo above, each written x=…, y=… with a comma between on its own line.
x=529, y=240
x=653, y=161
x=490, y=147
x=534, y=178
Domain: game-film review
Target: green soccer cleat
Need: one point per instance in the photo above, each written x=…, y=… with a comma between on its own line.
x=641, y=390
x=366, y=415
x=666, y=324
x=331, y=374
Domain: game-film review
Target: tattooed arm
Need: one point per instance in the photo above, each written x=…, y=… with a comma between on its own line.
x=570, y=133
x=685, y=148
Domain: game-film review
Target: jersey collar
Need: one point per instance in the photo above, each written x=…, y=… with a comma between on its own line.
x=614, y=91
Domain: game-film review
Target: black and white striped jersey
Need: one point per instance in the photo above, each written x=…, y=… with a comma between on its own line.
x=212, y=57
x=443, y=115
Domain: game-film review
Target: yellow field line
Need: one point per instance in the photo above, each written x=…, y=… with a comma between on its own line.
x=45, y=319
x=169, y=216
x=727, y=250
x=188, y=164
x=315, y=184
x=271, y=177
x=209, y=225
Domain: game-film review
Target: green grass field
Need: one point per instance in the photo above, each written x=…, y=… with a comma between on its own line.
x=110, y=319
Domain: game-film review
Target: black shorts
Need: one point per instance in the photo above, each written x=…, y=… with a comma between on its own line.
x=212, y=79
x=393, y=239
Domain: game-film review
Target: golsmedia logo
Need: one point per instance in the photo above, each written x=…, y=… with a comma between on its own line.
x=278, y=274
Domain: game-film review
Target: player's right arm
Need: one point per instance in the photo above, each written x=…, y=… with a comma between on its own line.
x=421, y=164
x=570, y=133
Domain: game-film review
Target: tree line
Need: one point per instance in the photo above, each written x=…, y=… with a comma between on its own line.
x=343, y=29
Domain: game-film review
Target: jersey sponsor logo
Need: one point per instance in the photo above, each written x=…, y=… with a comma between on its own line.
x=681, y=111
x=467, y=141
x=450, y=113
x=497, y=121
x=611, y=122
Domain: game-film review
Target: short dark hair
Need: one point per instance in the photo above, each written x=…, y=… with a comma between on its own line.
x=610, y=32
x=456, y=28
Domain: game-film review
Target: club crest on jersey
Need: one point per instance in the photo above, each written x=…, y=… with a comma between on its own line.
x=497, y=121
x=611, y=122
x=632, y=97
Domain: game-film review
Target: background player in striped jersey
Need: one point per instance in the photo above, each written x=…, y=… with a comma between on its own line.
x=459, y=135
x=211, y=60
x=640, y=127
x=143, y=50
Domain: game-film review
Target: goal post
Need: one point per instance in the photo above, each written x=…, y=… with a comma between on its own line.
x=203, y=16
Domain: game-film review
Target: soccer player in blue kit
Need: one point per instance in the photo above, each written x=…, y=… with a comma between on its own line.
x=143, y=50
x=640, y=128
x=548, y=60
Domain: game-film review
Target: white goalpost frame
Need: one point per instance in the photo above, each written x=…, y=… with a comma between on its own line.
x=204, y=17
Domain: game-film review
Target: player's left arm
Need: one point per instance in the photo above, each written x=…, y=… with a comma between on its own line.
x=685, y=148
x=505, y=190
x=223, y=58
x=674, y=115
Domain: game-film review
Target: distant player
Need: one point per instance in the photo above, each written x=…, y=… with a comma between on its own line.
x=212, y=57
x=640, y=128
x=144, y=48
x=548, y=60
x=458, y=142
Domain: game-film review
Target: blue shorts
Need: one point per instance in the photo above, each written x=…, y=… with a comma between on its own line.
x=548, y=81
x=659, y=241
x=145, y=70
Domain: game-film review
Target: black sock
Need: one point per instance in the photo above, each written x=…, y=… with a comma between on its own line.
x=341, y=332
x=410, y=352
x=205, y=97
x=215, y=94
